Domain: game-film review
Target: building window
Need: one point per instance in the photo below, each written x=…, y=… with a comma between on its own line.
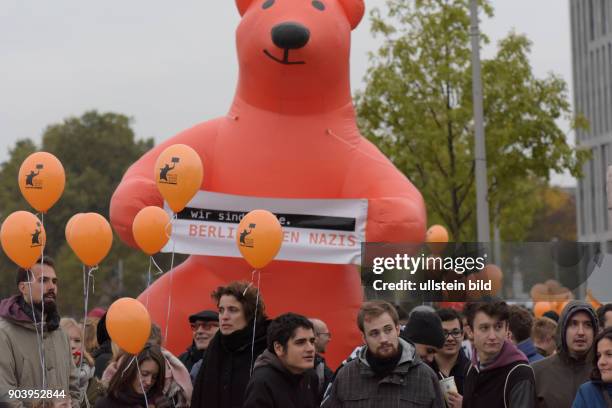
x=604, y=178
x=592, y=193
x=604, y=17
x=591, y=21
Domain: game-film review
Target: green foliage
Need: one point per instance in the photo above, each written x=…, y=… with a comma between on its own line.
x=96, y=149
x=417, y=107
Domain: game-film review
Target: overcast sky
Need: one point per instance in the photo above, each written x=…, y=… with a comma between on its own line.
x=169, y=65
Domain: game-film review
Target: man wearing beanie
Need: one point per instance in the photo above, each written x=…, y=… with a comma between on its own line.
x=424, y=329
x=204, y=325
x=559, y=376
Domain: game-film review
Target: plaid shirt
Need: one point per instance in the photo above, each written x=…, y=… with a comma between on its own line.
x=412, y=384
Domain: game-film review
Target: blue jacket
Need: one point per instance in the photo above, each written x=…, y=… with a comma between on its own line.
x=590, y=395
x=527, y=347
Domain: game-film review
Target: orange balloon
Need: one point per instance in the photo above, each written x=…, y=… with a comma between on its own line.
x=151, y=229
x=495, y=275
x=178, y=173
x=539, y=292
x=41, y=180
x=561, y=306
x=128, y=324
x=23, y=238
x=542, y=307
x=69, y=227
x=436, y=233
x=90, y=237
x=259, y=237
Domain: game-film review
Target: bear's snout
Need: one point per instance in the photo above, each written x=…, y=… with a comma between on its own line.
x=290, y=36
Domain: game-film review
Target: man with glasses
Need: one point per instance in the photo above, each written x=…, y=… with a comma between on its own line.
x=450, y=360
x=322, y=338
x=204, y=326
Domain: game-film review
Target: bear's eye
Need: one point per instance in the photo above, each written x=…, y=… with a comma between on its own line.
x=267, y=4
x=318, y=5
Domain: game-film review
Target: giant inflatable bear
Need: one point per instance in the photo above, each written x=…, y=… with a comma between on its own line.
x=290, y=133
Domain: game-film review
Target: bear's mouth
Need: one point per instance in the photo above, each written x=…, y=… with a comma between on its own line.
x=285, y=59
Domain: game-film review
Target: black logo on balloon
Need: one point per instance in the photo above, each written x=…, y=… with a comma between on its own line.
x=164, y=173
x=31, y=182
x=36, y=236
x=245, y=241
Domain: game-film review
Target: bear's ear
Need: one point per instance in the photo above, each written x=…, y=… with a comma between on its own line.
x=354, y=10
x=243, y=5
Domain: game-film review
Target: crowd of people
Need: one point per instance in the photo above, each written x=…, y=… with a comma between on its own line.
x=489, y=354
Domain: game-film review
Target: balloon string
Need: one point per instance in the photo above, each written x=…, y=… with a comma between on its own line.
x=141, y=384
x=174, y=217
x=148, y=281
x=255, y=321
x=86, y=297
x=134, y=358
x=159, y=270
x=38, y=340
x=250, y=284
x=93, y=278
x=42, y=300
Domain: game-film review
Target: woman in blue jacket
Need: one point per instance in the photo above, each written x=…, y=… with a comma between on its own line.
x=598, y=392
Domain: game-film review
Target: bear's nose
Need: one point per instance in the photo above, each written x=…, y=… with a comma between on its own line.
x=290, y=36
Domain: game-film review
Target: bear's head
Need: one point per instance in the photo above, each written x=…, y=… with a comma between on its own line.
x=294, y=54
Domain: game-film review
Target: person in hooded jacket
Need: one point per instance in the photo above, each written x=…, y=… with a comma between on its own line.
x=24, y=319
x=597, y=393
x=137, y=384
x=559, y=376
x=284, y=374
x=499, y=375
x=228, y=361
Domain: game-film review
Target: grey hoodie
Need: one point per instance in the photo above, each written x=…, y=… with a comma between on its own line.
x=559, y=376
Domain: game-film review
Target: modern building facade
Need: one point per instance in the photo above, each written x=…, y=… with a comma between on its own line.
x=591, y=32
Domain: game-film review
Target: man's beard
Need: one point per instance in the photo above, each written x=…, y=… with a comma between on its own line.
x=50, y=306
x=389, y=353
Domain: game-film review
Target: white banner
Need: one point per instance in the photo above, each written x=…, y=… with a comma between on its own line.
x=315, y=230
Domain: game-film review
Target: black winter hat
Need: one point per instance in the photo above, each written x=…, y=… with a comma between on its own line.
x=204, y=315
x=424, y=328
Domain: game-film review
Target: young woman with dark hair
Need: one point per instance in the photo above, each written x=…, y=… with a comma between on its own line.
x=228, y=361
x=597, y=393
x=128, y=389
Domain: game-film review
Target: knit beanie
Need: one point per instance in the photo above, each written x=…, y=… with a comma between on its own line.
x=424, y=327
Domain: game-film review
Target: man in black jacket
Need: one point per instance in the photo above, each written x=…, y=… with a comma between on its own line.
x=283, y=375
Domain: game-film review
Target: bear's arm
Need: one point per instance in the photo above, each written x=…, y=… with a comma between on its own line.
x=138, y=188
x=396, y=210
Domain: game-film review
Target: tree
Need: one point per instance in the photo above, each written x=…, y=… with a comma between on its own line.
x=95, y=149
x=417, y=107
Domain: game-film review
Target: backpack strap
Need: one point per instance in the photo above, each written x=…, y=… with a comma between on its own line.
x=508, y=377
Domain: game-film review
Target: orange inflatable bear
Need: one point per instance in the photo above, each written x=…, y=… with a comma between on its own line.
x=290, y=133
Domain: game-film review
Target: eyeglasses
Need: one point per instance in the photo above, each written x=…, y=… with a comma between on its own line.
x=326, y=334
x=456, y=333
x=204, y=325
